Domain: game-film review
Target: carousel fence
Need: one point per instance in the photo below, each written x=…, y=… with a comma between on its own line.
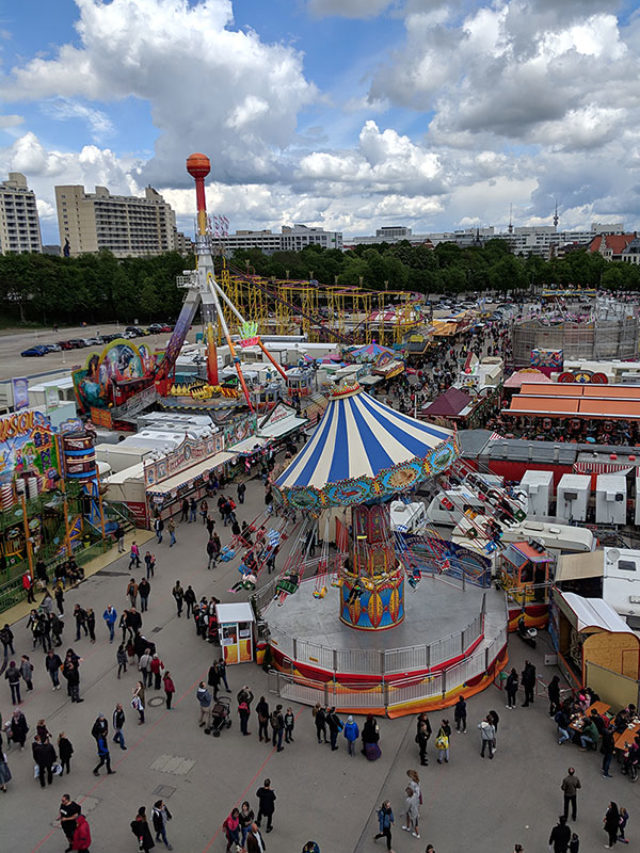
x=378, y=662
x=307, y=691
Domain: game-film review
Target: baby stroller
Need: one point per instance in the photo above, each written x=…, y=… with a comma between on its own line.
x=220, y=717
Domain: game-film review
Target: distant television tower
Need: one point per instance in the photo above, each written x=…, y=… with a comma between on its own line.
x=510, y=219
x=555, y=216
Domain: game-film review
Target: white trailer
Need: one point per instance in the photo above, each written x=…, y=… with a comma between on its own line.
x=539, y=487
x=573, y=495
x=611, y=499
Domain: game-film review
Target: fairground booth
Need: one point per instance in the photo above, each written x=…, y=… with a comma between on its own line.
x=592, y=640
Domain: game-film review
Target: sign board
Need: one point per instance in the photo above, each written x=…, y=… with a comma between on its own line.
x=20, y=393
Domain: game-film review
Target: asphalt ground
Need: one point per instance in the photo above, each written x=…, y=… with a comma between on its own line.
x=470, y=804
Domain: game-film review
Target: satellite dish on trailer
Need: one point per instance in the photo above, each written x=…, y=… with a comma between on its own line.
x=613, y=555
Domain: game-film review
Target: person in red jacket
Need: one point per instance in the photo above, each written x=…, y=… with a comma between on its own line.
x=82, y=835
x=156, y=666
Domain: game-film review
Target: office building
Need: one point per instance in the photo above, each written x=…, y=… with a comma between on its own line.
x=19, y=222
x=128, y=226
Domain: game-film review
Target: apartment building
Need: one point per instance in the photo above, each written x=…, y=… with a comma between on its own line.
x=292, y=238
x=19, y=222
x=128, y=226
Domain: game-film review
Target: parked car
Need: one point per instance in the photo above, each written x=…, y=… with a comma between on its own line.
x=36, y=351
x=76, y=343
x=92, y=342
x=155, y=328
x=53, y=347
x=136, y=331
x=166, y=327
x=106, y=339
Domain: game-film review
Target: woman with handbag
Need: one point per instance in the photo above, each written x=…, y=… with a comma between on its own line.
x=442, y=742
x=140, y=828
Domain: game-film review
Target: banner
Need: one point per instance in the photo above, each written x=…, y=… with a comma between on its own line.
x=20, y=393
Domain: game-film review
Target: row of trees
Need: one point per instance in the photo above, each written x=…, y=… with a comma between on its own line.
x=97, y=288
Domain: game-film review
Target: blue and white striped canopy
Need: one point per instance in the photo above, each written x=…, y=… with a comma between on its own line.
x=363, y=450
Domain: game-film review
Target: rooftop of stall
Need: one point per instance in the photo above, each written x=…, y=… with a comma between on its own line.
x=232, y=616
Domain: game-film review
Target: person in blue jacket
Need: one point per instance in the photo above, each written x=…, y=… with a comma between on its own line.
x=352, y=733
x=385, y=819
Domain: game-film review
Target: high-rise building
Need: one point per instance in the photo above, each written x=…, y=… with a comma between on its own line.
x=128, y=226
x=19, y=222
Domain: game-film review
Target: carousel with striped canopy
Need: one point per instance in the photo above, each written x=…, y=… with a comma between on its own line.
x=361, y=455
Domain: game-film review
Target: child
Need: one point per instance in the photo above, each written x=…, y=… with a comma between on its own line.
x=65, y=751
x=574, y=844
x=624, y=817
x=385, y=819
x=289, y=721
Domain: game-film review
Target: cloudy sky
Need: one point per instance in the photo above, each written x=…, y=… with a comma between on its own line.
x=349, y=114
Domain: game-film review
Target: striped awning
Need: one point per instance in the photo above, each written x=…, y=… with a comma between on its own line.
x=363, y=450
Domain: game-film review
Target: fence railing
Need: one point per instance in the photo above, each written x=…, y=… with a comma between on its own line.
x=374, y=662
x=388, y=695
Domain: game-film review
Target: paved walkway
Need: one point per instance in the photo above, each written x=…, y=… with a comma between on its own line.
x=470, y=804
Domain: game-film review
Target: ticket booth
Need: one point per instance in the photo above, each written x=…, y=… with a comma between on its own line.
x=236, y=624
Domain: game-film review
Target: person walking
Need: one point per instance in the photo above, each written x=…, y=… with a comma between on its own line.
x=612, y=824
x=231, y=827
x=144, y=667
x=460, y=715
x=267, y=804
x=6, y=638
x=553, y=692
x=140, y=828
x=65, y=751
x=528, y=678
x=560, y=836
x=334, y=723
x=144, y=588
x=132, y=592
x=351, y=733
x=422, y=737
x=262, y=711
x=570, y=786
x=91, y=624
x=385, y=820
x=12, y=675
x=169, y=688
x=624, y=819
x=18, y=728
x=321, y=723
x=82, y=835
x=242, y=488
x=67, y=818
x=118, y=721
x=512, y=689
x=119, y=537
x=204, y=701
x=160, y=816
x=255, y=842
x=155, y=669
x=246, y=817
x=121, y=659
x=110, y=615
x=607, y=748
x=150, y=564
x=289, y=723
x=184, y=510
x=171, y=527
x=178, y=593
x=44, y=755
x=189, y=600
x=412, y=812
x=134, y=556
x=104, y=755
x=100, y=727
x=213, y=680
x=193, y=509
x=138, y=703
x=487, y=736
x=53, y=664
x=158, y=527
x=277, y=726
x=443, y=739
